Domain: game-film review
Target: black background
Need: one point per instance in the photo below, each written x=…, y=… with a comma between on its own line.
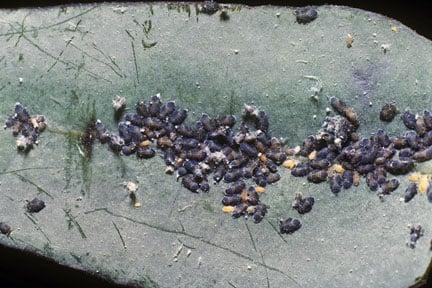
x=20, y=269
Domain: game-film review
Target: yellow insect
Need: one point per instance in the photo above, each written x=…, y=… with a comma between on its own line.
x=260, y=189
x=145, y=143
x=228, y=209
x=290, y=163
x=421, y=179
x=312, y=155
x=414, y=177
x=336, y=168
x=423, y=183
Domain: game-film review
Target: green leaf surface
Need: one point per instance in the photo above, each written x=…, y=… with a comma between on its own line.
x=74, y=60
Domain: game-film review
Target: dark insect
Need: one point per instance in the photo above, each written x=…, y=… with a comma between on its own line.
x=252, y=196
x=204, y=186
x=260, y=211
x=181, y=171
x=306, y=14
x=348, y=112
x=261, y=181
x=247, y=172
x=410, y=192
x=278, y=157
x=178, y=116
x=380, y=175
x=427, y=118
x=409, y=120
x=228, y=120
x=406, y=153
x=134, y=119
x=185, y=130
x=189, y=183
x=239, y=210
x=170, y=158
x=164, y=142
x=10, y=122
x=388, y=112
x=102, y=133
x=35, y=205
x=153, y=123
x=189, y=143
x=145, y=152
x=224, y=16
x=317, y=176
x=399, y=167
x=390, y=186
x=142, y=109
x=236, y=188
x=289, y=225
x=273, y=178
x=21, y=113
x=154, y=105
x=262, y=122
x=130, y=133
x=429, y=192
x=213, y=146
x=115, y=143
x=320, y=164
x=413, y=140
x=399, y=142
x=336, y=183
x=128, y=149
x=249, y=150
x=5, y=229
x=166, y=110
x=207, y=122
x=209, y=7
x=309, y=144
x=196, y=154
x=272, y=166
x=198, y=174
x=382, y=138
x=347, y=179
x=219, y=173
x=233, y=175
x=424, y=155
x=420, y=126
x=231, y=199
x=372, y=182
x=301, y=170
x=427, y=138
x=238, y=162
x=303, y=205
x=416, y=231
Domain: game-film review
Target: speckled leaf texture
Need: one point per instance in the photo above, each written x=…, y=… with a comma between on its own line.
x=74, y=60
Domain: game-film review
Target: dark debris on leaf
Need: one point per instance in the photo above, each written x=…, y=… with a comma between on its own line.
x=289, y=225
x=5, y=229
x=35, y=205
x=305, y=15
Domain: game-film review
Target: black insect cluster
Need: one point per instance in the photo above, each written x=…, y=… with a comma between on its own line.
x=208, y=149
x=339, y=155
x=416, y=231
x=25, y=127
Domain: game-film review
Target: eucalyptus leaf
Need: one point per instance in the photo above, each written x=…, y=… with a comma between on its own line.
x=68, y=63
